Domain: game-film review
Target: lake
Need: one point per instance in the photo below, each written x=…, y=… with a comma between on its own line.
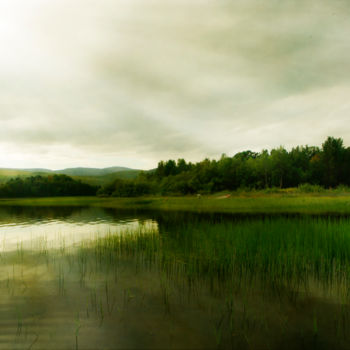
x=94, y=278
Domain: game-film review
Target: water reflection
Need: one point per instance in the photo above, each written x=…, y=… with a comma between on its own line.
x=171, y=280
x=27, y=225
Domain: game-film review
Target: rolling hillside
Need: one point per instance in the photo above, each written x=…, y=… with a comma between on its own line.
x=92, y=176
x=91, y=171
x=108, y=178
x=6, y=174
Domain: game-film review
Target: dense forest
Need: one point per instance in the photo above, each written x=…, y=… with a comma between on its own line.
x=328, y=166
x=45, y=186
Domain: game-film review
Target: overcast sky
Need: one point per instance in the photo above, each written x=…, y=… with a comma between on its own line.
x=130, y=82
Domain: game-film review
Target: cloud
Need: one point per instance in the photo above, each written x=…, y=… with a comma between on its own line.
x=143, y=80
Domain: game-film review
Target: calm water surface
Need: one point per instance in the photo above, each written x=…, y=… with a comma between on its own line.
x=92, y=278
x=26, y=225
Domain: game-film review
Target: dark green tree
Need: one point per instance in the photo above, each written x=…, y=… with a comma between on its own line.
x=332, y=157
x=281, y=166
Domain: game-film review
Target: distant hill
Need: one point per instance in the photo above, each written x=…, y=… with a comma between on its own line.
x=108, y=178
x=6, y=174
x=80, y=171
x=91, y=171
x=35, y=170
x=92, y=176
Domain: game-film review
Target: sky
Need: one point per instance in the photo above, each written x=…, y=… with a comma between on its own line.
x=103, y=83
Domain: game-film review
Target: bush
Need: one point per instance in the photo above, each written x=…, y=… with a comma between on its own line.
x=308, y=188
x=342, y=188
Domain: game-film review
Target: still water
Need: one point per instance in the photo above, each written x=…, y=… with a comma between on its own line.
x=71, y=225
x=93, y=278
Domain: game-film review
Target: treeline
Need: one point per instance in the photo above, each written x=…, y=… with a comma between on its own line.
x=328, y=166
x=46, y=186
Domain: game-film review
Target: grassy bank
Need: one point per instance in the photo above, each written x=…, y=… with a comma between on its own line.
x=254, y=202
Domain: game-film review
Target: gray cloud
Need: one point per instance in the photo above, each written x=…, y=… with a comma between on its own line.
x=141, y=80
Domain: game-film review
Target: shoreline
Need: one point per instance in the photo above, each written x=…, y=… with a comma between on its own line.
x=310, y=204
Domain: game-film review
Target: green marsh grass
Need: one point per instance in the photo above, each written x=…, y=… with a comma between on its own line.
x=285, y=260
x=279, y=253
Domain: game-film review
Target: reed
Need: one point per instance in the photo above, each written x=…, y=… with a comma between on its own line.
x=274, y=253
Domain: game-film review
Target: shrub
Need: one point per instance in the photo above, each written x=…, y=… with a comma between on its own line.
x=308, y=188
